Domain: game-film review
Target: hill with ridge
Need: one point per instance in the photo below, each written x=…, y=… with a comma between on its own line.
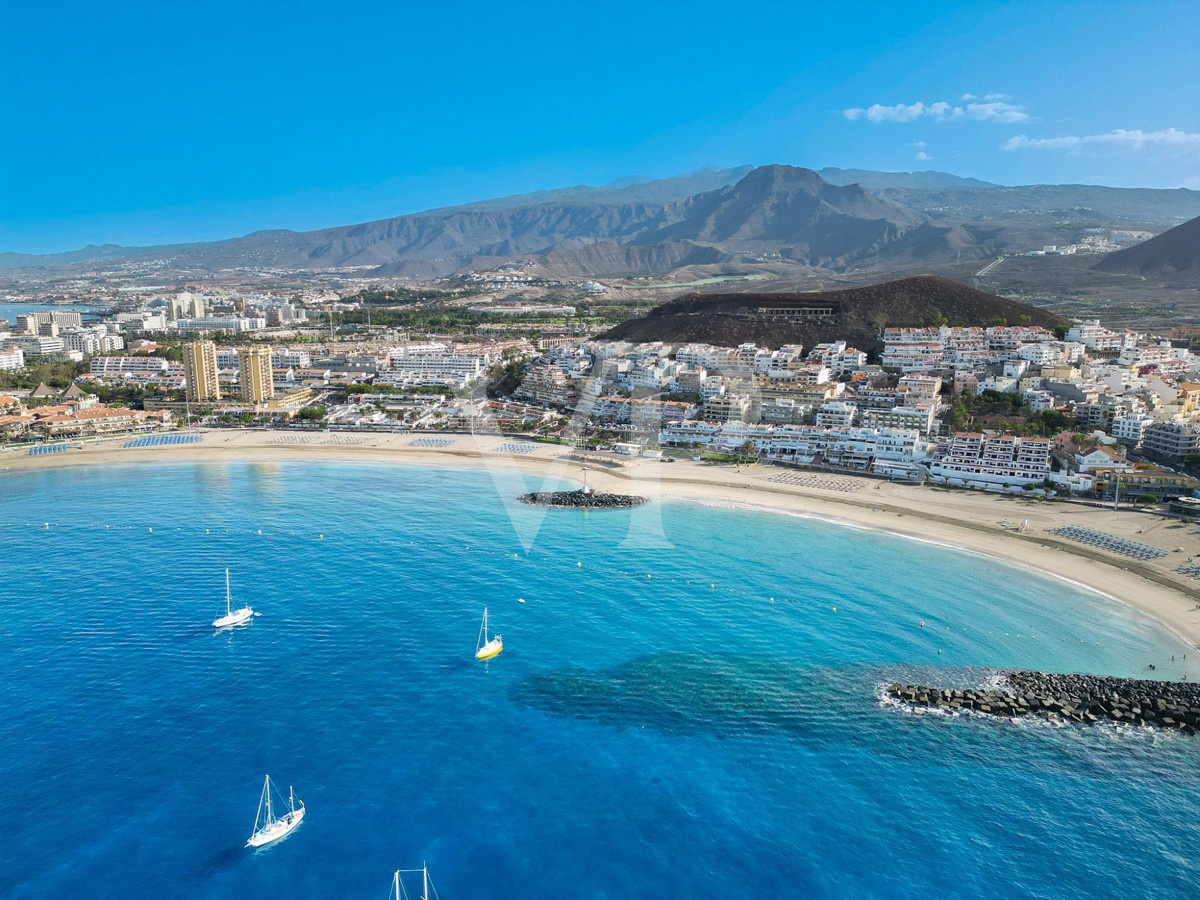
x=1174, y=252
x=855, y=315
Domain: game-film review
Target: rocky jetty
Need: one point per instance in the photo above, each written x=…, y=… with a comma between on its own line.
x=1079, y=698
x=582, y=499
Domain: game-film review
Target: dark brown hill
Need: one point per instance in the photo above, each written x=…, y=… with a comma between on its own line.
x=1174, y=252
x=855, y=315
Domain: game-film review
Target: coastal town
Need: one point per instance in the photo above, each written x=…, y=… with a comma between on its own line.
x=673, y=483
x=1078, y=411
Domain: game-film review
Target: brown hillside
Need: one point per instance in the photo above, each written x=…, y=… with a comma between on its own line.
x=855, y=315
x=1174, y=252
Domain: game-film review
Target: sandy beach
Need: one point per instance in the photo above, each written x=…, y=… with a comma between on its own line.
x=987, y=524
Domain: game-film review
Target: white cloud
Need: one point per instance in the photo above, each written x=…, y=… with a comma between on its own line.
x=1134, y=139
x=988, y=108
x=922, y=155
x=996, y=111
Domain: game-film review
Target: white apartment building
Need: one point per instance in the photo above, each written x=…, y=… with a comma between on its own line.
x=1128, y=429
x=917, y=418
x=11, y=357
x=92, y=342
x=1154, y=354
x=838, y=358
x=141, y=321
x=1040, y=354
x=705, y=356
x=1038, y=401
x=227, y=358
x=1095, y=336
x=125, y=365
x=418, y=366
x=288, y=359
x=992, y=460
x=219, y=323
x=783, y=411
x=860, y=448
x=920, y=389
x=836, y=414
x=1012, y=337
x=913, y=354
x=36, y=344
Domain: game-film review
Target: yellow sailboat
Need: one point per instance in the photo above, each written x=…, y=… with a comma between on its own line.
x=484, y=648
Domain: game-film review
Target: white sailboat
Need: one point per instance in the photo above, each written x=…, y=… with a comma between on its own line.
x=267, y=826
x=232, y=616
x=399, y=893
x=484, y=648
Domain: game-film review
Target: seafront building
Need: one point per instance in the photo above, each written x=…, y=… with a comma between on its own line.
x=1007, y=460
x=200, y=370
x=256, y=378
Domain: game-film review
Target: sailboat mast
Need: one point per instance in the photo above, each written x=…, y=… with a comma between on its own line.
x=485, y=637
x=267, y=792
x=395, y=886
x=424, y=881
x=228, y=609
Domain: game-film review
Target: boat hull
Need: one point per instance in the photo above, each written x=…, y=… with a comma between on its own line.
x=491, y=649
x=280, y=828
x=237, y=617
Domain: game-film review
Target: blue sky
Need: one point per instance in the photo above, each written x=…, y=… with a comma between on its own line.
x=150, y=123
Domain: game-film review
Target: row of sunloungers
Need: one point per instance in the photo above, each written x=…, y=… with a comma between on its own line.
x=44, y=449
x=162, y=440
x=1110, y=542
x=816, y=481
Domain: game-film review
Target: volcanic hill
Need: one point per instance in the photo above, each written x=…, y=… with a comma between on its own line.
x=855, y=315
x=1174, y=252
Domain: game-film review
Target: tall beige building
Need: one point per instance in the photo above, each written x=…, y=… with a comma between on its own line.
x=200, y=370
x=255, y=376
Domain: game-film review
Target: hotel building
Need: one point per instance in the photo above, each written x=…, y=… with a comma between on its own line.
x=200, y=370
x=255, y=375
x=993, y=459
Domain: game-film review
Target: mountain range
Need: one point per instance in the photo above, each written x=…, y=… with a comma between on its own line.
x=776, y=218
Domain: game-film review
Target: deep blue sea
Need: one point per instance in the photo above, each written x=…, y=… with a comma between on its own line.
x=656, y=726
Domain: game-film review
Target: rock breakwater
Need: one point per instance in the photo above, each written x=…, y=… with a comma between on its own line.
x=582, y=499
x=1172, y=705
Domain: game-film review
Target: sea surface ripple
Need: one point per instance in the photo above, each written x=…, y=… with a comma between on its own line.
x=687, y=704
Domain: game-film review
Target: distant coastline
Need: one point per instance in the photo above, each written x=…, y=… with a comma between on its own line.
x=984, y=524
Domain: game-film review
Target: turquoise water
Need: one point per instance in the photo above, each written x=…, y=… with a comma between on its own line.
x=678, y=735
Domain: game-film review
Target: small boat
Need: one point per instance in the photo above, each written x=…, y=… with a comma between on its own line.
x=399, y=893
x=485, y=649
x=267, y=826
x=232, y=616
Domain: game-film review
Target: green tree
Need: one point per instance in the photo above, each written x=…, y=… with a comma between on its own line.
x=507, y=375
